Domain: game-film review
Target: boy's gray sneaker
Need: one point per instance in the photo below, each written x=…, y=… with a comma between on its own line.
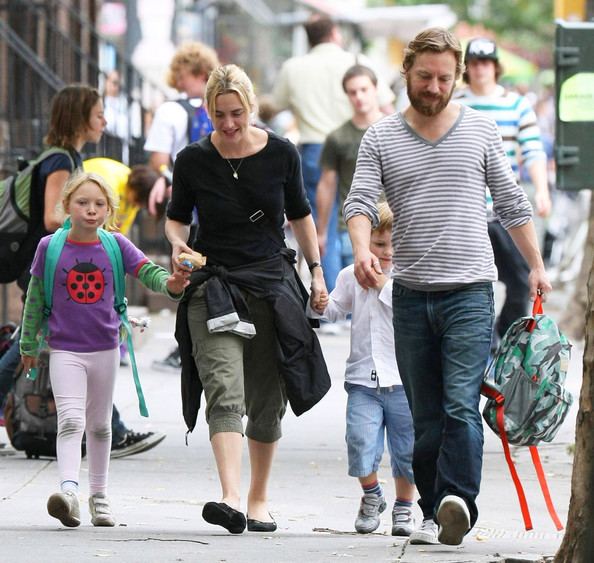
x=64, y=507
x=426, y=534
x=403, y=523
x=371, y=507
x=100, y=510
x=454, y=520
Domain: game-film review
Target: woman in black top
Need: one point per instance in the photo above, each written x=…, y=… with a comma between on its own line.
x=242, y=319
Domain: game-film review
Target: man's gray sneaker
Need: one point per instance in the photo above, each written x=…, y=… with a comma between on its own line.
x=426, y=534
x=454, y=520
x=403, y=523
x=64, y=507
x=100, y=510
x=368, y=519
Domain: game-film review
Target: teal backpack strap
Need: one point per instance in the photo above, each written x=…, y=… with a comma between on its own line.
x=114, y=253
x=52, y=255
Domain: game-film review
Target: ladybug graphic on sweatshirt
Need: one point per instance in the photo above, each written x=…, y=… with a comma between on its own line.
x=85, y=283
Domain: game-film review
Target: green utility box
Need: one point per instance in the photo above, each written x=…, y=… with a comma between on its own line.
x=574, y=89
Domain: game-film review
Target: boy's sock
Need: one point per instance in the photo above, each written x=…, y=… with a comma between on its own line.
x=373, y=488
x=400, y=502
x=69, y=486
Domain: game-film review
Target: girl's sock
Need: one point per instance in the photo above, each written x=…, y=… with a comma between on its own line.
x=400, y=502
x=373, y=488
x=69, y=486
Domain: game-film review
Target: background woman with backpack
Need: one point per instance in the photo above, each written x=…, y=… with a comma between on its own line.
x=76, y=118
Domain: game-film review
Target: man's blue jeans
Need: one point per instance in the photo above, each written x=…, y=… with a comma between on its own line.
x=310, y=166
x=442, y=343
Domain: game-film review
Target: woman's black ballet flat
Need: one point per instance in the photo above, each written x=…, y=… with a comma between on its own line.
x=221, y=514
x=258, y=526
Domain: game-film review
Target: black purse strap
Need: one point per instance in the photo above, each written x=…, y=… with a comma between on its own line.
x=258, y=217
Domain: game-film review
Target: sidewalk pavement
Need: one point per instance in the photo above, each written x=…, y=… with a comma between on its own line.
x=157, y=496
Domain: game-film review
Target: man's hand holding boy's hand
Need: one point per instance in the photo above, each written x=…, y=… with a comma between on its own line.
x=382, y=279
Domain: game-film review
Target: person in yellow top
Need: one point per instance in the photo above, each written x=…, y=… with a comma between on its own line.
x=132, y=185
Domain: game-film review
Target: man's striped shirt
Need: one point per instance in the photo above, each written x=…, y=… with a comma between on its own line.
x=436, y=191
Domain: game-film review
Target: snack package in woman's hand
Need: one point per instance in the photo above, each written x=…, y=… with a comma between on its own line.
x=195, y=260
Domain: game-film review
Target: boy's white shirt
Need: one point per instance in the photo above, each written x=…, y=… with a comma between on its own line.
x=372, y=331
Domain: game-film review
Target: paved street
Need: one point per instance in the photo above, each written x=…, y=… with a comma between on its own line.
x=157, y=496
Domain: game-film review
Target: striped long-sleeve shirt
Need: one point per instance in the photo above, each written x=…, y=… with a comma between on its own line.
x=515, y=120
x=436, y=191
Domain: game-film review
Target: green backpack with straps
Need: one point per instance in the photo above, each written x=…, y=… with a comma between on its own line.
x=112, y=248
x=526, y=398
x=21, y=216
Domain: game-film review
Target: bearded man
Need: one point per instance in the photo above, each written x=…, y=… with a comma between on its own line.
x=434, y=162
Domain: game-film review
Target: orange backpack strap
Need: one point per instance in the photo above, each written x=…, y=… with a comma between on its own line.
x=544, y=487
x=512, y=468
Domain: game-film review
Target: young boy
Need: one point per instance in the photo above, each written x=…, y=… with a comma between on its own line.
x=376, y=399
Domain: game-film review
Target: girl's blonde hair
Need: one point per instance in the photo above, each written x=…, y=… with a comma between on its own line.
x=385, y=217
x=229, y=79
x=78, y=179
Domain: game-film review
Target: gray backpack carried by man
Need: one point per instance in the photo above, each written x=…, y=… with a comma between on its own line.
x=527, y=401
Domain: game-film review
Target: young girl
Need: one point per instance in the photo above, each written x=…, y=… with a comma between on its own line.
x=83, y=339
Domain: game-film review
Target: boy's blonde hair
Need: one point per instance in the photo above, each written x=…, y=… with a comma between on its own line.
x=385, y=217
x=229, y=79
x=197, y=57
x=78, y=179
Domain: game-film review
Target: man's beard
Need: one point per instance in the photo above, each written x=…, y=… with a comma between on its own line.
x=426, y=105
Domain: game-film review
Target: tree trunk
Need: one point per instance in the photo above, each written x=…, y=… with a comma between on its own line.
x=578, y=542
x=572, y=322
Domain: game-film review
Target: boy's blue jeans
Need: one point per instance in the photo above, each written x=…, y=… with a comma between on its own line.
x=442, y=346
x=374, y=416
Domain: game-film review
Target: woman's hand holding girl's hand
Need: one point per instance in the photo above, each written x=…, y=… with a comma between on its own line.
x=178, y=281
x=178, y=248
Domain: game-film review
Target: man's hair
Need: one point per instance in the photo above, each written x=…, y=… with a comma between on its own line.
x=70, y=114
x=434, y=40
x=229, y=79
x=498, y=72
x=482, y=49
x=385, y=218
x=358, y=70
x=318, y=29
x=197, y=57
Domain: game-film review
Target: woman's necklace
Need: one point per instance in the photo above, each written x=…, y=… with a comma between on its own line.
x=235, y=170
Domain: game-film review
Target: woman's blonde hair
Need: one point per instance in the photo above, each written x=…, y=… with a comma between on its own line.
x=229, y=79
x=385, y=217
x=78, y=179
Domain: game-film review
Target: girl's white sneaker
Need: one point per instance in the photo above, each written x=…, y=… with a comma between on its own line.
x=100, y=510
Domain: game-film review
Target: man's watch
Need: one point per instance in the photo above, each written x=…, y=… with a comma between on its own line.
x=314, y=265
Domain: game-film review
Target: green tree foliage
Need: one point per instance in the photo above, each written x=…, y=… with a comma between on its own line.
x=526, y=23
